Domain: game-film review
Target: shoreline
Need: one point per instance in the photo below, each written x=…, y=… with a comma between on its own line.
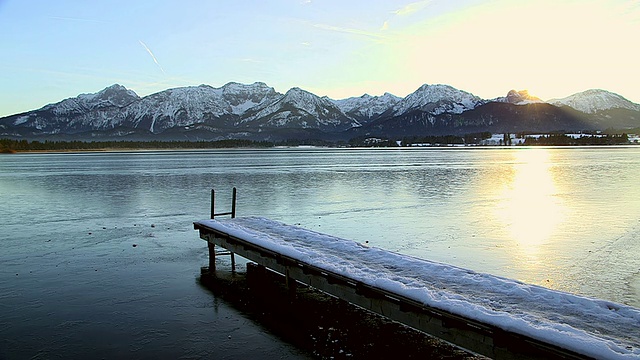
x=106, y=150
x=461, y=147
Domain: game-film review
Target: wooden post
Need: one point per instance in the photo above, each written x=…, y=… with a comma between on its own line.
x=233, y=262
x=233, y=215
x=290, y=284
x=212, y=251
x=212, y=258
x=233, y=204
x=213, y=203
x=212, y=247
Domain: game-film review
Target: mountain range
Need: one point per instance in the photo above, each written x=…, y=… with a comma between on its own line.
x=258, y=112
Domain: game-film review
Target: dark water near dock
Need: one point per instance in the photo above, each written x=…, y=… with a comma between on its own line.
x=99, y=257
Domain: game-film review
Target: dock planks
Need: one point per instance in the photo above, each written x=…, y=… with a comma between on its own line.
x=450, y=303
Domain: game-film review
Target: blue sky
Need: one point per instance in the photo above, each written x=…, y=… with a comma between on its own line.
x=52, y=50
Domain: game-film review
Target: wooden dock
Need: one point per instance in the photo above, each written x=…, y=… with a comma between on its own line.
x=318, y=260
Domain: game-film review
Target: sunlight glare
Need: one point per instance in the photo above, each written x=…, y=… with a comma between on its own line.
x=529, y=207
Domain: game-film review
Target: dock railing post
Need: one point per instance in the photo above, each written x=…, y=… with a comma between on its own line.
x=212, y=247
x=213, y=203
x=233, y=203
x=233, y=215
x=212, y=250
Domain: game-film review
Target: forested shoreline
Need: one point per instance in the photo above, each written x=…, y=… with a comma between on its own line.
x=10, y=145
x=13, y=145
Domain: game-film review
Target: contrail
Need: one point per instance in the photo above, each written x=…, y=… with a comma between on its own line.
x=78, y=19
x=152, y=56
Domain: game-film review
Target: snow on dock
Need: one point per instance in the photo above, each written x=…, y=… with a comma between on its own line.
x=585, y=327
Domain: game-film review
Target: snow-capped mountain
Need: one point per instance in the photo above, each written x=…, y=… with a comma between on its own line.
x=366, y=107
x=595, y=100
x=114, y=95
x=197, y=104
x=299, y=108
x=257, y=111
x=103, y=109
x=117, y=106
x=521, y=97
x=242, y=97
x=436, y=100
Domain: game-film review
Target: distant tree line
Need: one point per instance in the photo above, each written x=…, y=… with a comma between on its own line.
x=436, y=140
x=11, y=145
x=562, y=139
x=431, y=140
x=307, y=142
x=363, y=141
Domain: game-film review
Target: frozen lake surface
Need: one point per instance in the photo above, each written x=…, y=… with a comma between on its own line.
x=563, y=218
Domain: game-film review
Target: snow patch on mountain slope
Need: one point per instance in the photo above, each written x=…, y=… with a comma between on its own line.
x=21, y=120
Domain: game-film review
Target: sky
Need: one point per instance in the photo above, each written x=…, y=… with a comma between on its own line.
x=52, y=50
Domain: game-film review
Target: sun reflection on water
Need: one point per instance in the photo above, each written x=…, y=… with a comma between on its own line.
x=529, y=208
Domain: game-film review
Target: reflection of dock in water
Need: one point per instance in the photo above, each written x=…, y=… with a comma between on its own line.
x=492, y=316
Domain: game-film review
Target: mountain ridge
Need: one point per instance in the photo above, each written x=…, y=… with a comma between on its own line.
x=257, y=111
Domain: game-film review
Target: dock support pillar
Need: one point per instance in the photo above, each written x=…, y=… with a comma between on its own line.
x=233, y=215
x=256, y=276
x=212, y=257
x=290, y=284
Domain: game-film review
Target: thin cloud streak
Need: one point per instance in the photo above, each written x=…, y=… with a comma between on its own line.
x=78, y=19
x=348, y=31
x=152, y=56
x=406, y=10
x=412, y=8
x=251, y=60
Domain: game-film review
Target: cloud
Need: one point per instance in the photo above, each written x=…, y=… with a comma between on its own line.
x=348, y=30
x=251, y=60
x=412, y=8
x=406, y=10
x=152, y=56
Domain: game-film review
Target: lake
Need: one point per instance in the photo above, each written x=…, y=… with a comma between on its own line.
x=99, y=256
